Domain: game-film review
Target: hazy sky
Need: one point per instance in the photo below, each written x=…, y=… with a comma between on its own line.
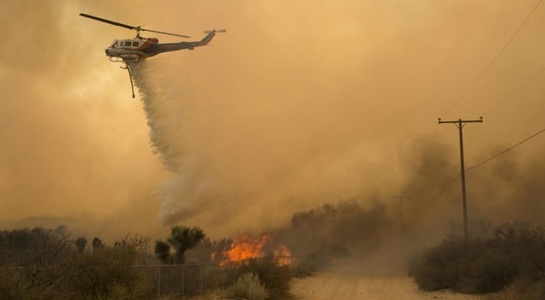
x=300, y=103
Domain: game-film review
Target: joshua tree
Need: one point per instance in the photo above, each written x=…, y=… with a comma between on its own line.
x=181, y=239
x=80, y=244
x=162, y=251
x=97, y=244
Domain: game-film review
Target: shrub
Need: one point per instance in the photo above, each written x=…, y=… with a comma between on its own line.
x=46, y=264
x=521, y=289
x=309, y=265
x=247, y=286
x=33, y=263
x=438, y=267
x=482, y=265
x=108, y=272
x=274, y=277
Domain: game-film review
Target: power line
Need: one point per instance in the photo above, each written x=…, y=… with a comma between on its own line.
x=508, y=149
x=516, y=91
x=495, y=59
x=444, y=190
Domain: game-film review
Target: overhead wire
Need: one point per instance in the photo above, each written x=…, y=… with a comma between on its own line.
x=481, y=75
x=506, y=150
x=444, y=190
x=515, y=91
x=472, y=135
x=495, y=58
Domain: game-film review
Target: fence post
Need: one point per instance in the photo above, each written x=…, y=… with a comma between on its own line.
x=202, y=279
x=183, y=280
x=158, y=281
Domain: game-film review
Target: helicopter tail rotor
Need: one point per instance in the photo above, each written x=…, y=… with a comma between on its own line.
x=216, y=30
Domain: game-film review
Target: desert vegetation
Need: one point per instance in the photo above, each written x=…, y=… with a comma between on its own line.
x=506, y=262
x=511, y=260
x=272, y=275
x=41, y=263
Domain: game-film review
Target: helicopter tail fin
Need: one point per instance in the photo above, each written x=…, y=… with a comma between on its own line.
x=203, y=42
x=206, y=39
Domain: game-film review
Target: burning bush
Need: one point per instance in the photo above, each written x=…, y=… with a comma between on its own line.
x=255, y=267
x=246, y=247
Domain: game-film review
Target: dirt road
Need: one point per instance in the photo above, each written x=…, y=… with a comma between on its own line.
x=332, y=286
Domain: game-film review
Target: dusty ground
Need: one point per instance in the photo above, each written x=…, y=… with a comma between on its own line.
x=332, y=286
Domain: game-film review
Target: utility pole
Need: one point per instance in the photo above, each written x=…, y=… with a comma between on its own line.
x=401, y=210
x=460, y=124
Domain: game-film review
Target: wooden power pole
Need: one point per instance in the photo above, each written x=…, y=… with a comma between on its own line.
x=401, y=211
x=460, y=124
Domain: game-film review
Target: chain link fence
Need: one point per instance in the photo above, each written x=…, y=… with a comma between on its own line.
x=183, y=281
x=167, y=281
x=189, y=280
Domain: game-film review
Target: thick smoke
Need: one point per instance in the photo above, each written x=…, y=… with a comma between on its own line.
x=380, y=235
x=505, y=188
x=221, y=176
x=338, y=231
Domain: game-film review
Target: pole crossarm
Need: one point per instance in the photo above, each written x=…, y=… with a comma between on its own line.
x=461, y=121
x=460, y=124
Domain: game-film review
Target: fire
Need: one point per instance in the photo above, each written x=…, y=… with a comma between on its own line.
x=246, y=247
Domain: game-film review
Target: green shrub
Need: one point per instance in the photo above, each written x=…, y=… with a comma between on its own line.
x=247, y=286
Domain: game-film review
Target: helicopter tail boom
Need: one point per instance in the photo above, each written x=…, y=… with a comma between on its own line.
x=167, y=47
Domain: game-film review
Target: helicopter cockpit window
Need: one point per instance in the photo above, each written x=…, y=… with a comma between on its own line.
x=135, y=44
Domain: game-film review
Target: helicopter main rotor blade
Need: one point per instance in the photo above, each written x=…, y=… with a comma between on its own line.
x=137, y=28
x=109, y=22
x=167, y=33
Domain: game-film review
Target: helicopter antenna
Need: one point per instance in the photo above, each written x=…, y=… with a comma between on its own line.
x=137, y=28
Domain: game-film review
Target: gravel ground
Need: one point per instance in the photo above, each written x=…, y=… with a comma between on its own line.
x=354, y=286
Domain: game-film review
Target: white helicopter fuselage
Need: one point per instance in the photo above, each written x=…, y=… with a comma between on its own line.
x=131, y=49
x=140, y=48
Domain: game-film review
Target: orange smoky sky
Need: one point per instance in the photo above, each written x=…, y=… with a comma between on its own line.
x=300, y=103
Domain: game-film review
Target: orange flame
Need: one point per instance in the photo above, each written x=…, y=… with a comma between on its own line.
x=246, y=247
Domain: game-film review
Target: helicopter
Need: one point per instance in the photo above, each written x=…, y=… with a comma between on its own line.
x=133, y=50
